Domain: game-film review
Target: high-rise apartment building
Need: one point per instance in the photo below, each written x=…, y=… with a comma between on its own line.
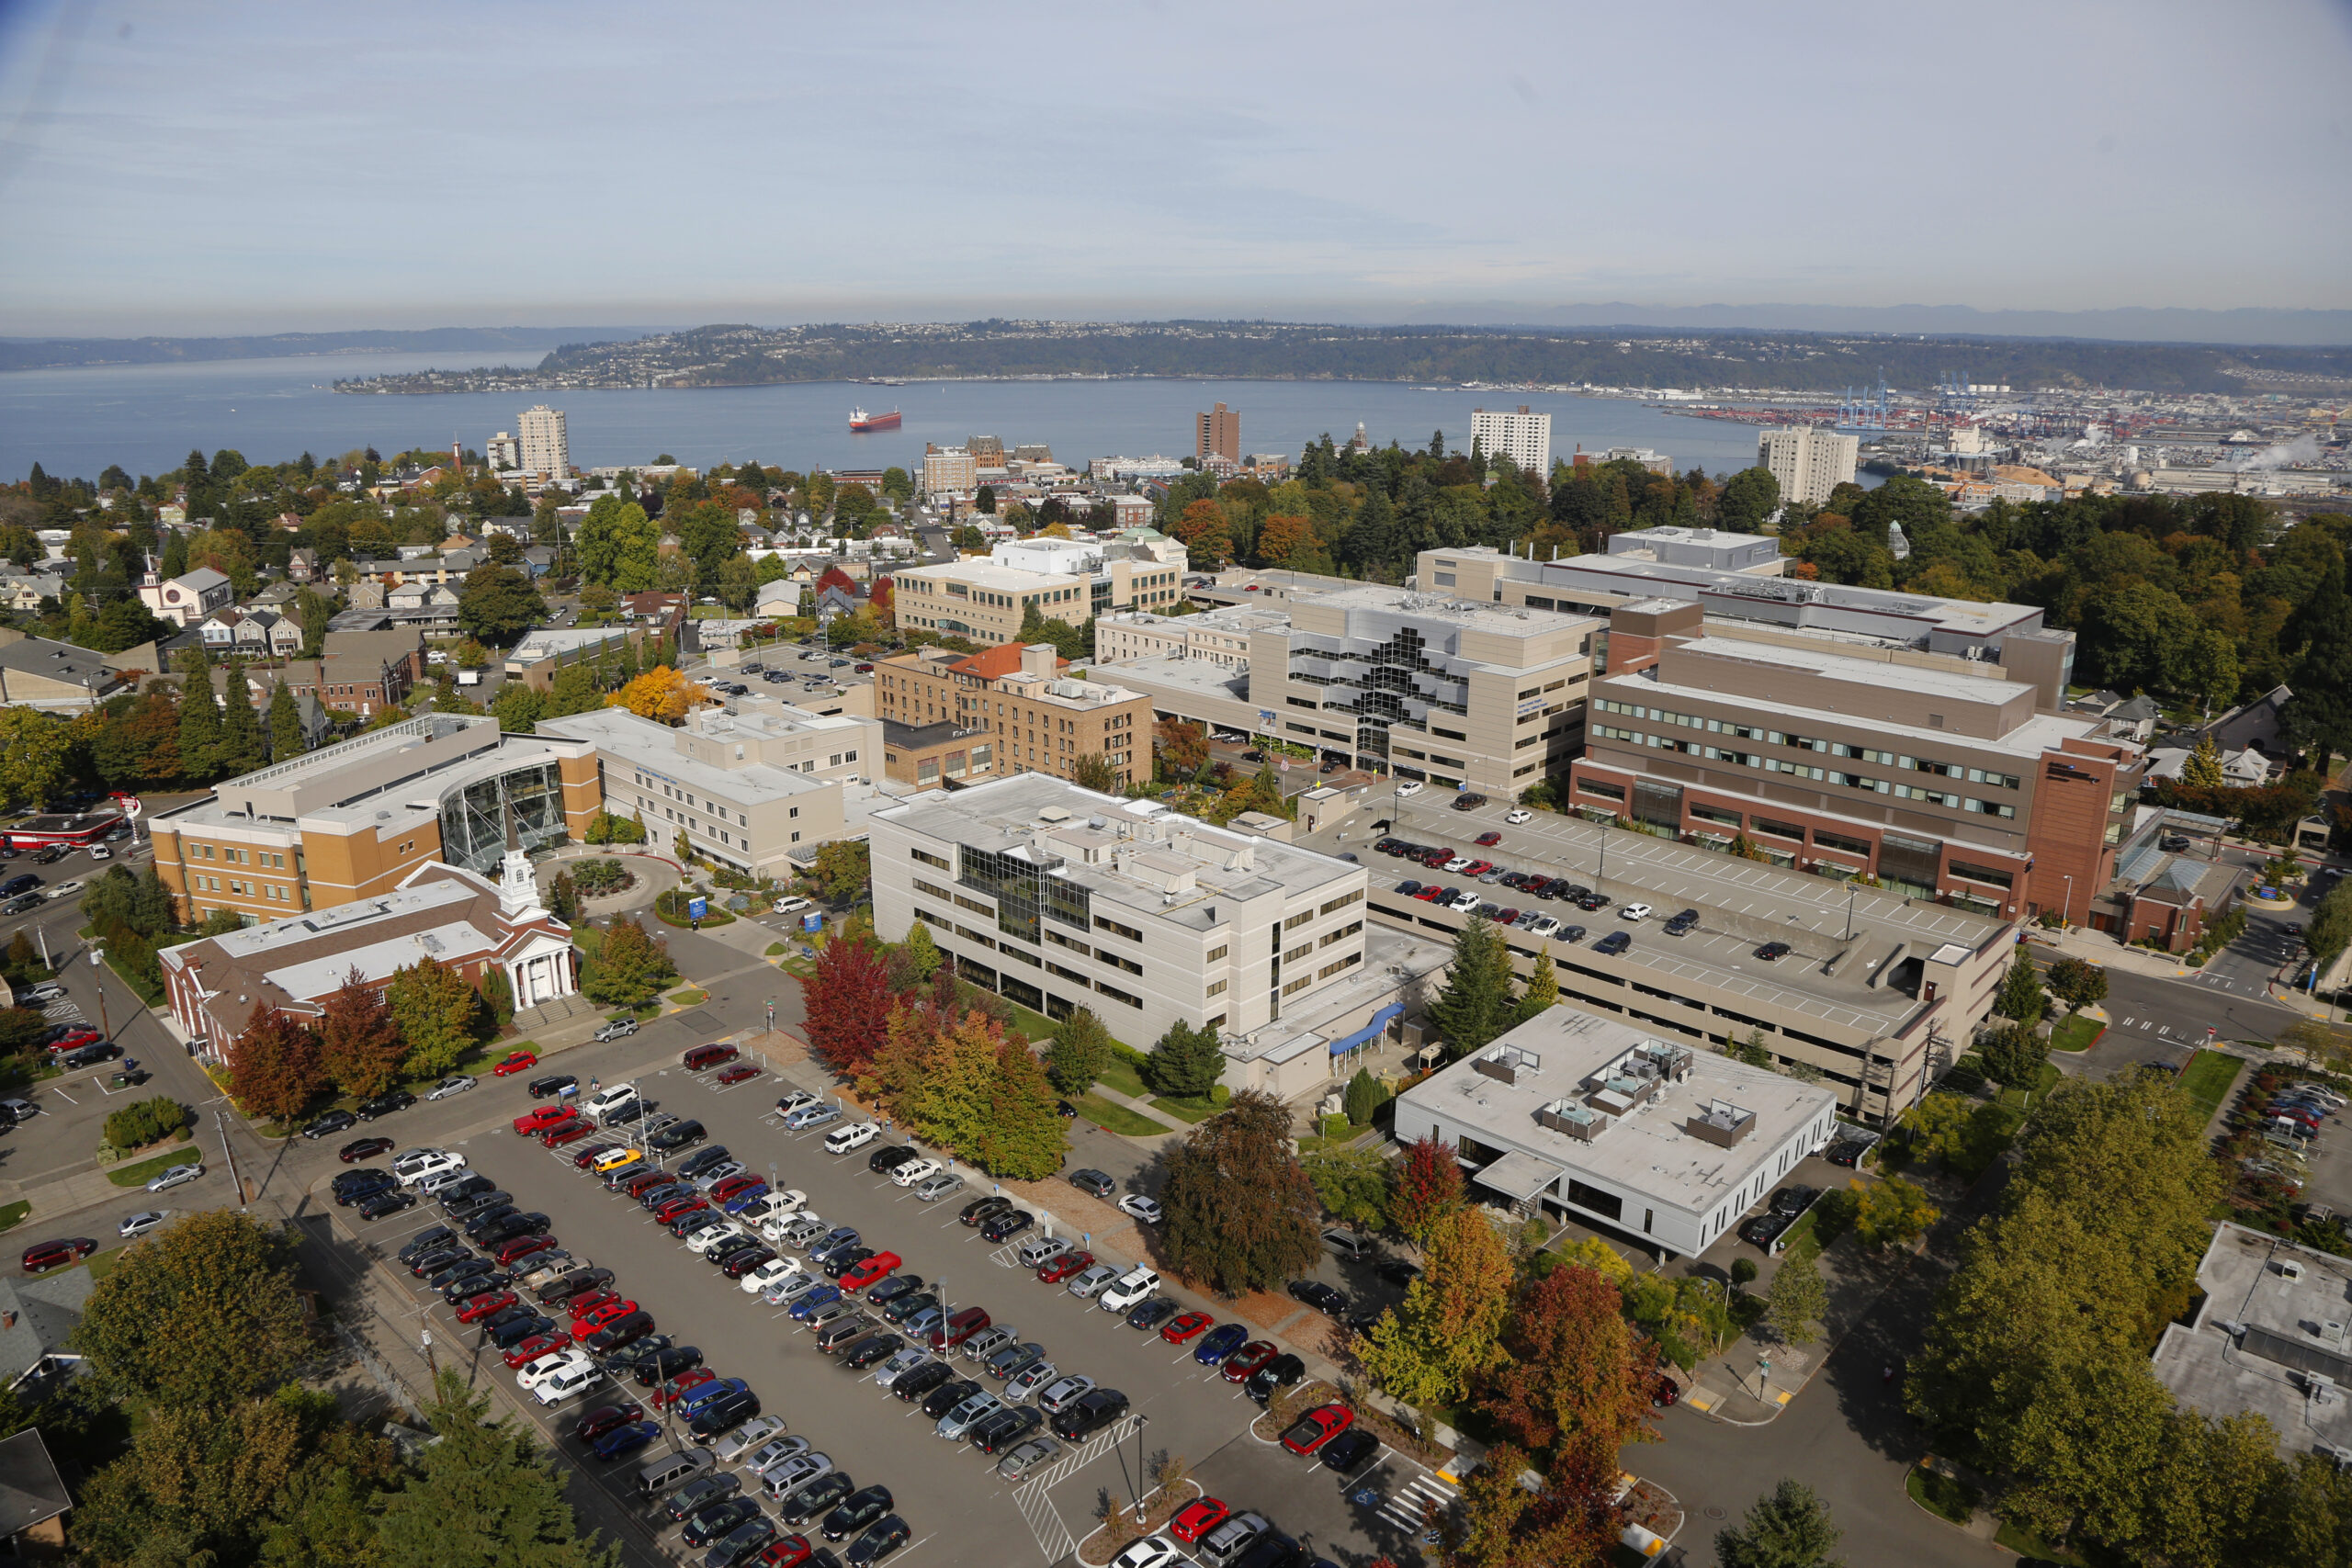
x=1218, y=435
x=546, y=443
x=1808, y=462
x=503, y=451
x=1525, y=438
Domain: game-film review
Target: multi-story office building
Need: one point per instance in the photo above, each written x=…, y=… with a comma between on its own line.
x=1847, y=763
x=349, y=822
x=1032, y=719
x=1217, y=434
x=1057, y=897
x=1525, y=438
x=752, y=783
x=949, y=471
x=1809, y=462
x=546, y=443
x=1577, y=1116
x=987, y=604
x=1221, y=636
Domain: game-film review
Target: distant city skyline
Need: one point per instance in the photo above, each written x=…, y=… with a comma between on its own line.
x=2016, y=165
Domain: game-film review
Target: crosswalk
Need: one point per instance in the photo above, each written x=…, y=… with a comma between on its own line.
x=1413, y=1507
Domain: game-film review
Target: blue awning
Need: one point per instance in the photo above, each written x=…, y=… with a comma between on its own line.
x=1370, y=1032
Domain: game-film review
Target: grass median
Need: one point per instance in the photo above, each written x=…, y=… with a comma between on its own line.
x=147, y=1170
x=1117, y=1118
x=2075, y=1033
x=2208, y=1079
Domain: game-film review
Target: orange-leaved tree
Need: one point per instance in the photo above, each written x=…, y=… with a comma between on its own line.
x=273, y=1067
x=661, y=693
x=360, y=1048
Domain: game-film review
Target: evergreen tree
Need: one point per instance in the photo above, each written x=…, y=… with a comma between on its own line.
x=1787, y=1527
x=285, y=724
x=1240, y=1212
x=1475, y=1005
x=486, y=1495
x=1078, y=1053
x=922, y=953
x=200, y=738
x=2021, y=997
x=1543, y=985
x=241, y=746
x=2202, y=768
x=1364, y=1096
x=1186, y=1063
x=2318, y=713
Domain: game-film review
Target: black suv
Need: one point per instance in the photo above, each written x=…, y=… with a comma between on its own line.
x=1615, y=941
x=1680, y=924
x=1095, y=1409
x=881, y=1162
x=678, y=1135
x=1469, y=800
x=702, y=1160
x=384, y=1104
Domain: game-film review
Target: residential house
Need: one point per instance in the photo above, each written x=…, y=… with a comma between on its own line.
x=188, y=598
x=368, y=594
x=362, y=673
x=22, y=590
x=302, y=566
x=540, y=559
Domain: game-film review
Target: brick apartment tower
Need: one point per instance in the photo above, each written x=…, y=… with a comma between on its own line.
x=1219, y=436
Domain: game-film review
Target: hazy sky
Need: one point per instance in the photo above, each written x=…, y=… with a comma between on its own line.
x=247, y=166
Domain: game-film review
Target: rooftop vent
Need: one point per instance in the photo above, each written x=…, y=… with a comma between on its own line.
x=1508, y=1064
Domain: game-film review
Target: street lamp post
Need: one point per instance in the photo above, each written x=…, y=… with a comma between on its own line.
x=1852, y=887
x=2066, y=913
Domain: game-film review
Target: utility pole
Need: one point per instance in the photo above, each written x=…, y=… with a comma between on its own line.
x=221, y=1126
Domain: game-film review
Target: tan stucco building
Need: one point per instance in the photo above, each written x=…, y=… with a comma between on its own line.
x=1024, y=715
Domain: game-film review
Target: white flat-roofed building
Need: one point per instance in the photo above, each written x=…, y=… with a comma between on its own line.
x=1057, y=897
x=1221, y=636
x=2269, y=1338
x=1524, y=437
x=545, y=442
x=1583, y=1117
x=1808, y=462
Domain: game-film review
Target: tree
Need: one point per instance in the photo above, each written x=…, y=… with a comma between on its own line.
x=1239, y=1211
x=1183, y=746
x=486, y=1495
x=1892, y=1213
x=285, y=724
x=243, y=748
x=1749, y=497
x=1448, y=1330
x=2201, y=768
x=2318, y=716
x=843, y=869
x=1575, y=1372
x=563, y=897
x=1186, y=1062
x=200, y=1314
x=438, y=1014
x=1542, y=989
x=2021, y=996
x=984, y=501
x=518, y=707
x=1570, y=1521
x=922, y=953
x=273, y=1067
x=619, y=547
x=497, y=604
x=2077, y=982
x=845, y=1001
x=630, y=968
x=1475, y=1005
x=1351, y=1184
x=1363, y=1095
x=2014, y=1055
x=1787, y=1527
x=360, y=1048
x=33, y=748
x=1429, y=1184
x=1078, y=1051
x=661, y=693
x=1752, y=1050
x=1021, y=1129
x=199, y=717
x=1795, y=1301
x=1093, y=771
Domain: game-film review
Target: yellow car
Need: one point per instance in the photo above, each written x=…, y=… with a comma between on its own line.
x=619, y=1159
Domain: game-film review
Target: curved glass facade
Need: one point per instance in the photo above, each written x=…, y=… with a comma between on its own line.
x=473, y=819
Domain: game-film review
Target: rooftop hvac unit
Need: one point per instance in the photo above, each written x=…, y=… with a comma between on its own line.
x=2291, y=1270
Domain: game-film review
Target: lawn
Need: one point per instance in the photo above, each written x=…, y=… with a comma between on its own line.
x=14, y=1213
x=1948, y=1499
x=2075, y=1033
x=102, y=1264
x=693, y=996
x=1120, y=1074
x=139, y=1174
x=2032, y=1547
x=2208, y=1079
x=1185, y=1108
x=1117, y=1118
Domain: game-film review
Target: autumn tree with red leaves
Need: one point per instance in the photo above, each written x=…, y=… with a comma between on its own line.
x=274, y=1069
x=1572, y=1523
x=1579, y=1374
x=847, y=1002
x=1429, y=1182
x=360, y=1048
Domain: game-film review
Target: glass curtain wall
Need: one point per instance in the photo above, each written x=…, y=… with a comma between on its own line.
x=473, y=819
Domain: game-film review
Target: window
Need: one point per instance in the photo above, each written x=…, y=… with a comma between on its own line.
x=1216, y=988
x=1298, y=919
x=1605, y=790
x=1338, y=904
x=1219, y=951
x=1117, y=995
x=923, y=855
x=1337, y=966
x=1342, y=934
x=1298, y=984
x=1295, y=954
x=1594, y=1199
x=1102, y=923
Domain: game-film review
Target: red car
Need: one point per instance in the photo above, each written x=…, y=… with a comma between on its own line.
x=540, y=1120
x=595, y=1422
x=1186, y=1328
x=482, y=1306
x=1054, y=1271
x=1248, y=1358
x=1317, y=1428
x=1479, y=868
x=537, y=1345
x=878, y=1267
x=587, y=1301
x=742, y=1072
x=516, y=1062
x=523, y=1246
x=1429, y=895
x=787, y=1551
x=604, y=1313
x=735, y=1184
x=80, y=1037
x=678, y=1207
x=564, y=1132
x=48, y=1254
x=638, y=1186
x=1488, y=840
x=1197, y=1518
x=678, y=1387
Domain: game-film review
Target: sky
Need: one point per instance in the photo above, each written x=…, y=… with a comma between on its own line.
x=251, y=166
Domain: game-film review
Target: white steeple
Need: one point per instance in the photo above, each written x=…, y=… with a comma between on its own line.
x=519, y=891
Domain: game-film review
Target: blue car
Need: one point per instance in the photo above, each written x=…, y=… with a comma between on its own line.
x=1220, y=1342
x=696, y=1399
x=841, y=1238
x=622, y=1441
x=815, y=1300
x=746, y=1198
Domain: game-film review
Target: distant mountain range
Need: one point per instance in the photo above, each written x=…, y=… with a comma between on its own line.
x=60, y=354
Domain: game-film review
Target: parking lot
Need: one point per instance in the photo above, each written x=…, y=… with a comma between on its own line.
x=960, y=1510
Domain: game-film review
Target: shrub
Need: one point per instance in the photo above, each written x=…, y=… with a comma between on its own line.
x=147, y=1122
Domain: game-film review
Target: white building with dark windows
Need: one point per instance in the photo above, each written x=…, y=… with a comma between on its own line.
x=547, y=442
x=1524, y=437
x=1576, y=1116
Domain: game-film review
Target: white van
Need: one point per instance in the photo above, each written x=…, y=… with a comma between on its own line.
x=605, y=1102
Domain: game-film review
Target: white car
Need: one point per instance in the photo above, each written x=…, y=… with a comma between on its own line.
x=563, y=1385
x=1459, y=862
x=706, y=1239
x=1634, y=912
x=47, y=991
x=1545, y=925
x=1462, y=902
x=65, y=890
x=914, y=1170
x=796, y=1100
x=899, y=1365
x=99, y=851
x=1085, y=1281
x=767, y=1274
x=1136, y=1285
x=1410, y=786
x=534, y=1373
x=856, y=1135
x=1062, y=1393
x=1151, y=1551
x=455, y=1083
x=747, y=1436
x=141, y=1224
x=1519, y=815
x=408, y=1161
x=1140, y=1207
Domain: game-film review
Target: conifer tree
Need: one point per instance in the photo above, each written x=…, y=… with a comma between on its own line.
x=285, y=724
x=200, y=719
x=1078, y=1053
x=241, y=739
x=1475, y=1005
x=1543, y=985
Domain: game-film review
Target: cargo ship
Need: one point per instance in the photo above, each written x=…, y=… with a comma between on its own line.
x=860, y=421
